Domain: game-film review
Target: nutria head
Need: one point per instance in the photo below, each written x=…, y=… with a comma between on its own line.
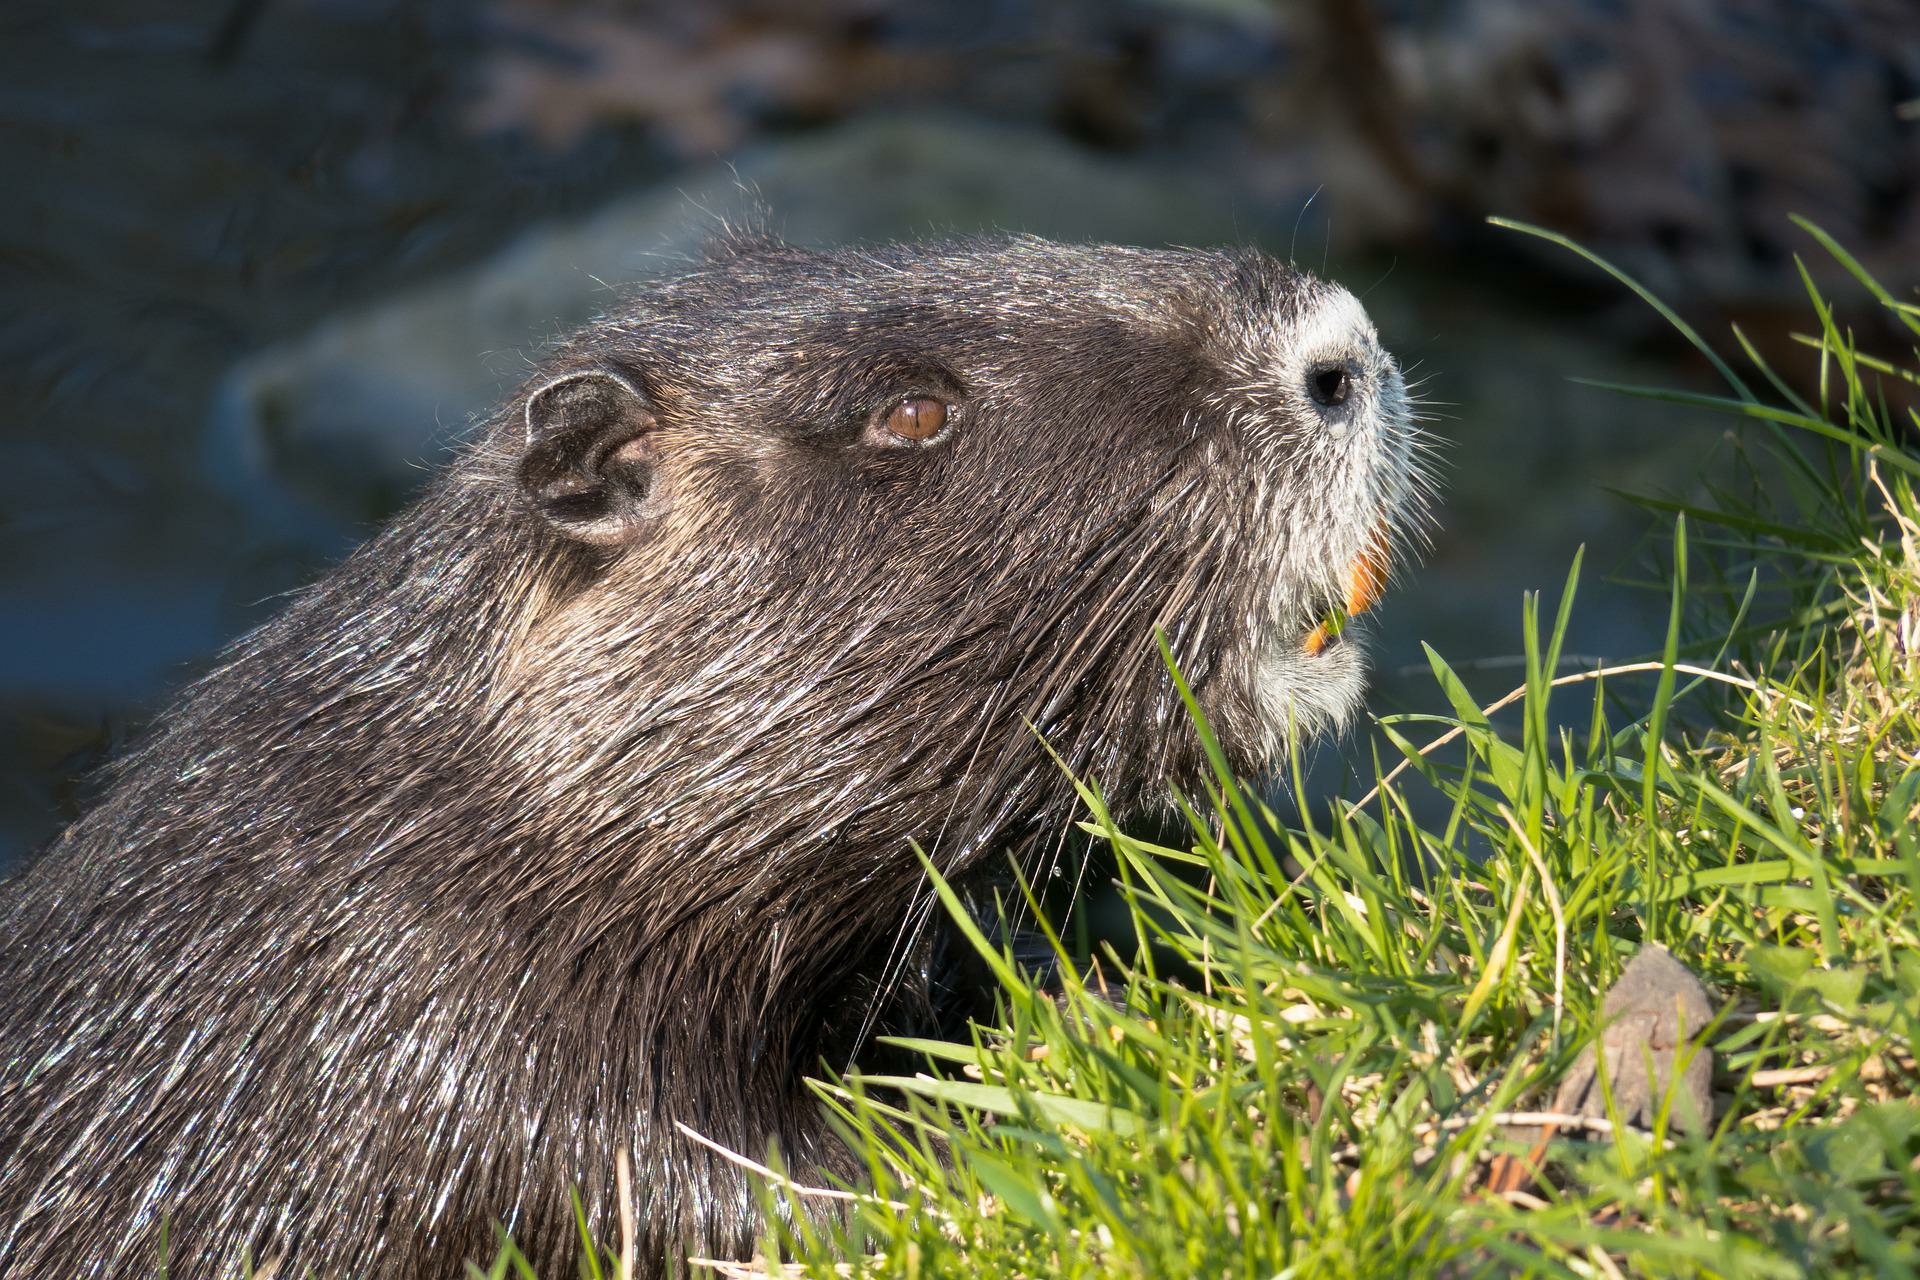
x=868, y=516
x=584, y=800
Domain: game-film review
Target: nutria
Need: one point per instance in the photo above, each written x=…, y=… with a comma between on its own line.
x=583, y=800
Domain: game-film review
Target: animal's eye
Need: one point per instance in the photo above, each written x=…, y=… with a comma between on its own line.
x=916, y=419
x=1329, y=384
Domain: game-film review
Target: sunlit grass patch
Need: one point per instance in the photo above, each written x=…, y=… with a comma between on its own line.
x=1334, y=1050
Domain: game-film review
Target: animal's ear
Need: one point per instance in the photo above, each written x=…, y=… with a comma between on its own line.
x=590, y=455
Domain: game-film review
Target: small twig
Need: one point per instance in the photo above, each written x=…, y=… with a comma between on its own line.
x=1578, y=677
x=1507, y=1174
x=1604, y=1261
x=623, y=1180
x=781, y=1180
x=1500, y=662
x=1781, y=1076
x=1516, y=1119
x=732, y=1270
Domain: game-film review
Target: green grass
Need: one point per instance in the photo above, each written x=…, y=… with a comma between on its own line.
x=1324, y=1033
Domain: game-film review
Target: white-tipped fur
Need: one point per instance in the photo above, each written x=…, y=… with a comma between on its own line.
x=1356, y=483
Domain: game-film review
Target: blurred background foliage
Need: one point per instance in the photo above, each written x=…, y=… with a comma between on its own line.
x=261, y=261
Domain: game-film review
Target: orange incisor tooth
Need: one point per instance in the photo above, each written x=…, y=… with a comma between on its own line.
x=1369, y=579
x=1365, y=585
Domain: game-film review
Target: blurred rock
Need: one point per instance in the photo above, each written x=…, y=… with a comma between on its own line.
x=1648, y=1020
x=332, y=427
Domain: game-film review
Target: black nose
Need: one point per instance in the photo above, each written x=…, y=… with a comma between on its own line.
x=1329, y=384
